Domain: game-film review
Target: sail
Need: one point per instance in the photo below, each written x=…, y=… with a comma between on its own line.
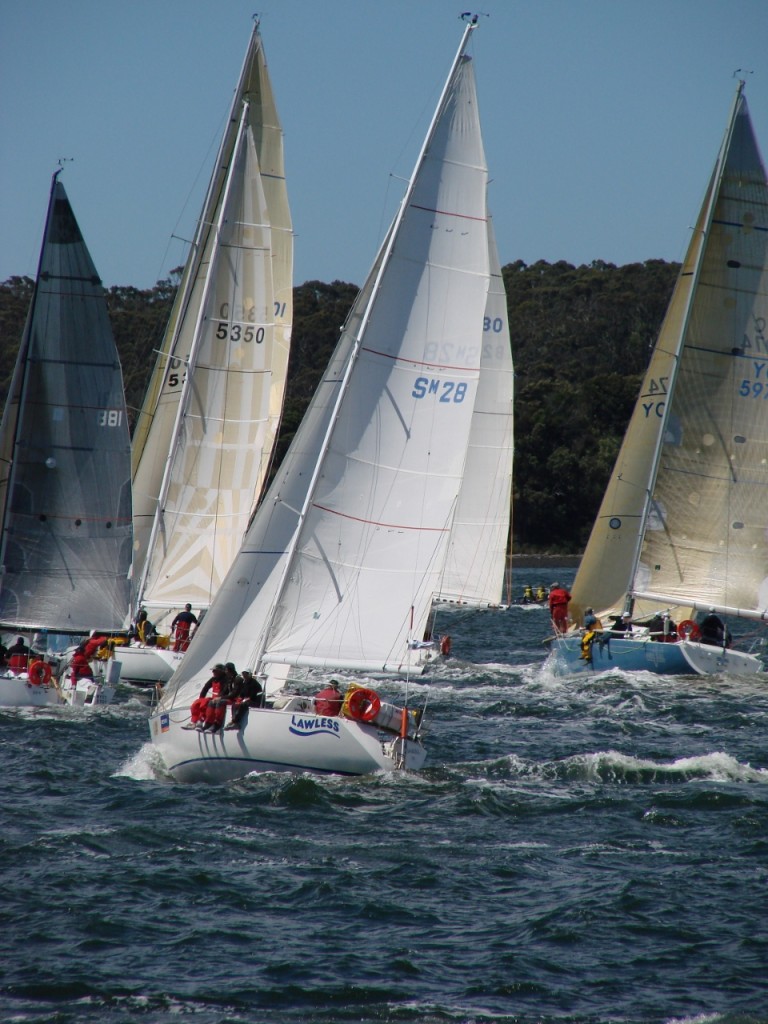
x=684, y=519
x=204, y=440
x=65, y=493
x=344, y=554
x=477, y=552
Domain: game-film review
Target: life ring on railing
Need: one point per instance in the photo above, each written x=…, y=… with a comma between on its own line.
x=362, y=704
x=688, y=630
x=445, y=645
x=40, y=673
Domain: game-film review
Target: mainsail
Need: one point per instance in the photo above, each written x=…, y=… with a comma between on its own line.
x=65, y=481
x=684, y=522
x=204, y=441
x=345, y=551
x=477, y=559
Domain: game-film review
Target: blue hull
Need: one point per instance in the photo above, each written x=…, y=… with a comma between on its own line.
x=643, y=655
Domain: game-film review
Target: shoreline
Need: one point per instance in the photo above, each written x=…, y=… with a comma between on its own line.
x=542, y=561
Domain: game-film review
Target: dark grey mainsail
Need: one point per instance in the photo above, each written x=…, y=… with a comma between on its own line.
x=65, y=492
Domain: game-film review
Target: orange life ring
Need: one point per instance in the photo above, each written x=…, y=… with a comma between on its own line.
x=445, y=645
x=40, y=673
x=363, y=704
x=688, y=630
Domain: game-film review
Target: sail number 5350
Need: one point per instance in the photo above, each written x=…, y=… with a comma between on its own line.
x=239, y=332
x=446, y=390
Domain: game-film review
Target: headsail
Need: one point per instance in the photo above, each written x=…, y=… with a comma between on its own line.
x=685, y=517
x=344, y=554
x=65, y=489
x=204, y=440
x=477, y=557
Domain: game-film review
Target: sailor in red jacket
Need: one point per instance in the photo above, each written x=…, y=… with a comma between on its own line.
x=558, y=606
x=80, y=666
x=216, y=686
x=328, y=701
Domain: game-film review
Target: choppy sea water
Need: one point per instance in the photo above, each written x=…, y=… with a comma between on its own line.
x=576, y=850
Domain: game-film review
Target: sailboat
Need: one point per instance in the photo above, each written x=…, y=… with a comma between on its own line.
x=340, y=565
x=476, y=568
x=203, y=443
x=683, y=526
x=65, y=480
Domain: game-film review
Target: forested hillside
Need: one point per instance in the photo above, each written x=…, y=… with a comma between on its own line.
x=581, y=338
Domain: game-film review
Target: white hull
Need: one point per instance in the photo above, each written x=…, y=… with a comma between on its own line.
x=286, y=740
x=146, y=666
x=88, y=693
x=18, y=692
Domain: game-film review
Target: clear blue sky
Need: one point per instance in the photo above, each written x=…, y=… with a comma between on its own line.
x=601, y=119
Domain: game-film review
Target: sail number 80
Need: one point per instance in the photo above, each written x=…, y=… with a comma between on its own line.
x=239, y=332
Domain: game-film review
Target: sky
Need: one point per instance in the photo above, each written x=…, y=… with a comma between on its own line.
x=601, y=120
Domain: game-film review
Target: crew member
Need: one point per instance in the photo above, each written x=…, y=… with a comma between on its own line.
x=558, y=606
x=216, y=686
x=181, y=628
x=247, y=693
x=328, y=701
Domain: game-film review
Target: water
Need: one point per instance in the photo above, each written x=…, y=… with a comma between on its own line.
x=581, y=850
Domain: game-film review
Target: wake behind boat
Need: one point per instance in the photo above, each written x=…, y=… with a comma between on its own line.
x=65, y=493
x=204, y=439
x=683, y=525
x=340, y=565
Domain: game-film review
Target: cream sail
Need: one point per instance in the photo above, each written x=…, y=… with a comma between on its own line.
x=477, y=560
x=683, y=524
x=340, y=565
x=205, y=437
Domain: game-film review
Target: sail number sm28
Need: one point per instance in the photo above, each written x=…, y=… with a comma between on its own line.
x=446, y=390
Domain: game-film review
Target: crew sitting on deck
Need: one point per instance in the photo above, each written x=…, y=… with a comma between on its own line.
x=528, y=597
x=80, y=666
x=246, y=693
x=714, y=630
x=217, y=687
x=622, y=624
x=328, y=701
x=661, y=628
x=591, y=621
x=18, y=655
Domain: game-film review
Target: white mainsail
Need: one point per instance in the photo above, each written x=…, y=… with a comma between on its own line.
x=684, y=521
x=204, y=441
x=345, y=552
x=477, y=557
